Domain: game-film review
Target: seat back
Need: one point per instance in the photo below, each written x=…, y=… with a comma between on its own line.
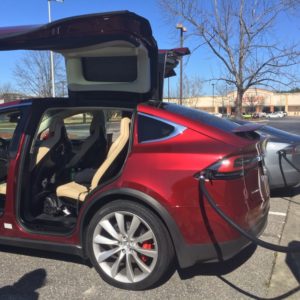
x=55, y=133
x=97, y=136
x=115, y=149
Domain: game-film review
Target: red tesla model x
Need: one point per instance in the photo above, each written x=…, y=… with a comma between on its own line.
x=110, y=173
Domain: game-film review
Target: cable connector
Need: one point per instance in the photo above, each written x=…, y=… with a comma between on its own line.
x=206, y=175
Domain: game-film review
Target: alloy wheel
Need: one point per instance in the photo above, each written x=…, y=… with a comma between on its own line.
x=125, y=247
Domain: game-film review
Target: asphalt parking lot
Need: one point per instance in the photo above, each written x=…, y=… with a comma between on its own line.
x=255, y=273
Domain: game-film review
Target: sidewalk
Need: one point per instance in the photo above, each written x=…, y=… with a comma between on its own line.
x=285, y=280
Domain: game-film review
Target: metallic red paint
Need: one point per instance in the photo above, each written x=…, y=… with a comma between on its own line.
x=165, y=171
x=171, y=166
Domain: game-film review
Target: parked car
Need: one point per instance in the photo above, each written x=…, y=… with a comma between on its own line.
x=282, y=156
x=257, y=115
x=131, y=205
x=219, y=115
x=262, y=114
x=275, y=115
x=246, y=115
x=282, y=113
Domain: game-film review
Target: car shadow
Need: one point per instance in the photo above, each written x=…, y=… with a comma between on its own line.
x=45, y=254
x=293, y=260
x=252, y=296
x=222, y=268
x=25, y=288
x=286, y=193
x=218, y=268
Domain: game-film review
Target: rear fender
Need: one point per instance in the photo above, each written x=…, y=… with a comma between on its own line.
x=101, y=200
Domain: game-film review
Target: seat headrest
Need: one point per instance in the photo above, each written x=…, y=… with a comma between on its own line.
x=124, y=125
x=98, y=122
x=56, y=126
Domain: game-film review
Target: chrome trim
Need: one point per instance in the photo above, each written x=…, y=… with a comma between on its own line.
x=178, y=129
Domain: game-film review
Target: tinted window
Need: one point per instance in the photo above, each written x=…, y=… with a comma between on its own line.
x=9, y=138
x=110, y=69
x=152, y=129
x=78, y=126
x=199, y=116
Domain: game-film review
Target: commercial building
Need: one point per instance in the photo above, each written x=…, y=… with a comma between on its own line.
x=8, y=97
x=254, y=100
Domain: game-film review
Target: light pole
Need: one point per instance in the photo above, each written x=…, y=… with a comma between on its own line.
x=51, y=52
x=182, y=30
x=213, y=88
x=168, y=89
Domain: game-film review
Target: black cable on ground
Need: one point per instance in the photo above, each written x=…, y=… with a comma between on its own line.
x=243, y=232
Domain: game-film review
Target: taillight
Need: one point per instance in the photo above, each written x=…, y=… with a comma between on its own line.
x=234, y=166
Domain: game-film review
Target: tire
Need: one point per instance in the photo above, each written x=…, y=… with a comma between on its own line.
x=129, y=246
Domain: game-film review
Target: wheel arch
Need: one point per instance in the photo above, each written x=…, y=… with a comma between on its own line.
x=139, y=197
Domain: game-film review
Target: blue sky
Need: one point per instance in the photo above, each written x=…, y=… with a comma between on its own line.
x=18, y=12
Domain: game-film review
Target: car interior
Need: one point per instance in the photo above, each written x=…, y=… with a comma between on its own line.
x=72, y=153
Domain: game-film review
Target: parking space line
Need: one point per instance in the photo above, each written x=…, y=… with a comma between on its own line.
x=276, y=213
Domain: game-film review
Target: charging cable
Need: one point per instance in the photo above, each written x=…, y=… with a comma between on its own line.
x=289, y=249
x=282, y=153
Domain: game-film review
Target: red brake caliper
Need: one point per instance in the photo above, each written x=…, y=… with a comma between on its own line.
x=146, y=245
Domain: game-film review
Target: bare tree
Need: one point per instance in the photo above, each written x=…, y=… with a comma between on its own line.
x=222, y=91
x=5, y=89
x=170, y=91
x=33, y=75
x=192, y=88
x=239, y=33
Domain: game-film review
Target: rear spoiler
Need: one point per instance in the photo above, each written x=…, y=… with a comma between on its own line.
x=167, y=62
x=171, y=58
x=247, y=127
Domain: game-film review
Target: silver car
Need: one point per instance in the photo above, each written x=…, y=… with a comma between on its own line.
x=282, y=156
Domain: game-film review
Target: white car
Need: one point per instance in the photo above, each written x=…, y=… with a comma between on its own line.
x=283, y=113
x=262, y=114
x=219, y=115
x=277, y=114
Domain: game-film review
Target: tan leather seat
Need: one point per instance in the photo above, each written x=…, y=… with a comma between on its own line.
x=79, y=192
x=72, y=190
x=3, y=188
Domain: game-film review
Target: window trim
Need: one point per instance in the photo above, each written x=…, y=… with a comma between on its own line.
x=16, y=136
x=178, y=129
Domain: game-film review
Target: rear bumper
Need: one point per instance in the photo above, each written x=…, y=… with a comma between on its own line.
x=188, y=255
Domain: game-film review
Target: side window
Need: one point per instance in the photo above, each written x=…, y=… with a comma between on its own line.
x=77, y=126
x=151, y=129
x=8, y=130
x=9, y=139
